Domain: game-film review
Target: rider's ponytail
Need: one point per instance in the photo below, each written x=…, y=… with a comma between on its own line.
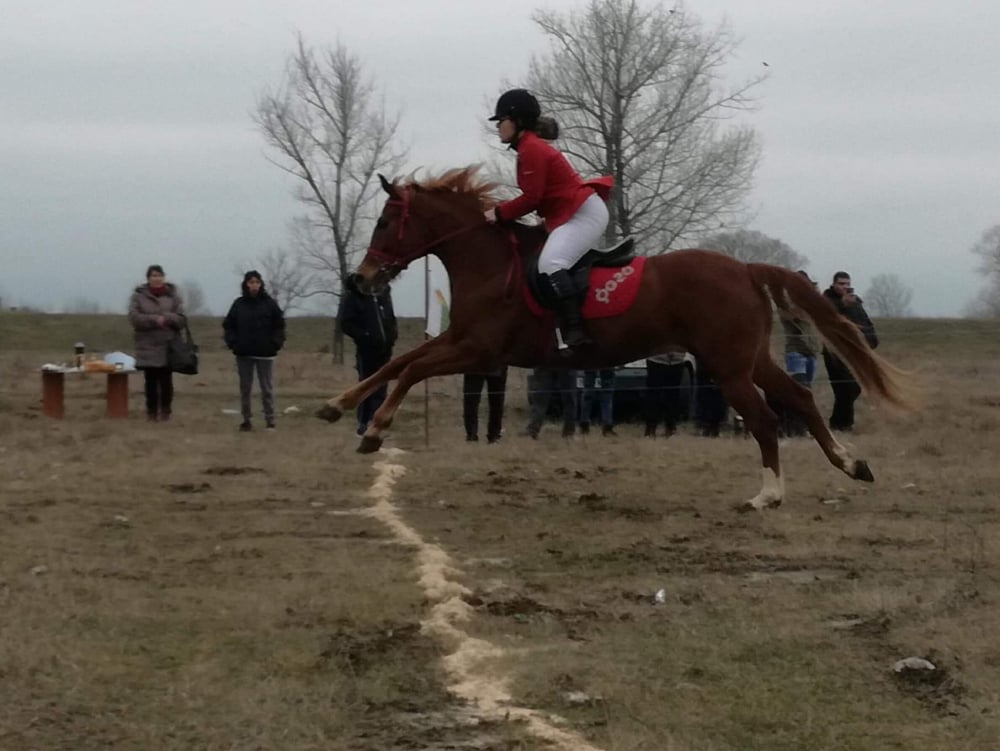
x=546, y=127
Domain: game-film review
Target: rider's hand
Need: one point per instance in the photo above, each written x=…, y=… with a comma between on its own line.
x=490, y=216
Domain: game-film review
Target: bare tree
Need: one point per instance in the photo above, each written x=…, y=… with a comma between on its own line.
x=333, y=136
x=288, y=280
x=987, y=301
x=888, y=297
x=194, y=298
x=637, y=90
x=751, y=246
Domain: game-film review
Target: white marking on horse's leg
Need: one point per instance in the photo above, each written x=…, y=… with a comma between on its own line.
x=772, y=491
x=842, y=454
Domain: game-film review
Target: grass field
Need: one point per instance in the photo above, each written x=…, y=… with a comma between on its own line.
x=184, y=586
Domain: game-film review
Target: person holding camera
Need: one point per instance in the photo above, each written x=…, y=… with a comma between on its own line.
x=845, y=388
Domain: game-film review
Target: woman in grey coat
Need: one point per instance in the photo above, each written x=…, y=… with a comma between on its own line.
x=156, y=313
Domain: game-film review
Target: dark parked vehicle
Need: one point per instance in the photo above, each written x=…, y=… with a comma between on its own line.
x=630, y=387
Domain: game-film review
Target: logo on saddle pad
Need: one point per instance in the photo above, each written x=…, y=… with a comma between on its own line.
x=611, y=291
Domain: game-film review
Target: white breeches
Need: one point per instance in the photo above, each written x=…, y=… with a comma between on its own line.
x=568, y=242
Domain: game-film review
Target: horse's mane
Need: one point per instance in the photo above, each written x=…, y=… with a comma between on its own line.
x=460, y=180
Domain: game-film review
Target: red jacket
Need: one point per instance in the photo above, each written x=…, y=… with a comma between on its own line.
x=549, y=185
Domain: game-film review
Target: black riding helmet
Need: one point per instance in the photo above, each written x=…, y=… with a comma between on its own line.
x=520, y=106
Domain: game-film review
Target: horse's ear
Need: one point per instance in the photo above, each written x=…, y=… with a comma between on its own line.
x=387, y=186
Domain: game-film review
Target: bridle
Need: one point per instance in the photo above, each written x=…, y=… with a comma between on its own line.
x=392, y=264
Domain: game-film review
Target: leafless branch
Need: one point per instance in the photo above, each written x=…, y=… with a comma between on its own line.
x=327, y=129
x=751, y=246
x=639, y=93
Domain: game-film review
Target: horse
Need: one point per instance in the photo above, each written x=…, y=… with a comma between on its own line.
x=707, y=303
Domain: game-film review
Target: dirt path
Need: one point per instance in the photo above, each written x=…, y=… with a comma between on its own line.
x=468, y=658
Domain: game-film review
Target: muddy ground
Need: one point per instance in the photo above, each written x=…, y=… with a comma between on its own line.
x=181, y=585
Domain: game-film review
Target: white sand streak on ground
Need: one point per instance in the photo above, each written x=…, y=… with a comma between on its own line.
x=466, y=664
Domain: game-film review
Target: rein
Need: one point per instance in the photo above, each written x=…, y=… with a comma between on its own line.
x=392, y=262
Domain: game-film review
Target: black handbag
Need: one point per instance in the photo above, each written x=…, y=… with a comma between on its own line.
x=182, y=353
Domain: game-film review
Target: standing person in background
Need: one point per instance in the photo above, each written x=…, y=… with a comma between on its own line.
x=845, y=388
x=254, y=331
x=156, y=313
x=368, y=319
x=711, y=408
x=662, y=397
x=472, y=392
x=547, y=383
x=802, y=346
x=599, y=383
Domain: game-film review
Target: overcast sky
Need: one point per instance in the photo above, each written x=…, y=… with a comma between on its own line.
x=126, y=137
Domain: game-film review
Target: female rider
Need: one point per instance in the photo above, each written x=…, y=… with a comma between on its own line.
x=575, y=214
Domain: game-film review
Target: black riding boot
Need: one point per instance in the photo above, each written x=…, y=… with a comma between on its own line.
x=567, y=303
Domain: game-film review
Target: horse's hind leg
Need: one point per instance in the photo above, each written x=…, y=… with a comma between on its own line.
x=781, y=388
x=763, y=425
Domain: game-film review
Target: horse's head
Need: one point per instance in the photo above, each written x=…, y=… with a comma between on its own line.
x=416, y=219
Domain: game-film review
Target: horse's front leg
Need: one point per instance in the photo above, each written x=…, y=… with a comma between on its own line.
x=334, y=408
x=443, y=361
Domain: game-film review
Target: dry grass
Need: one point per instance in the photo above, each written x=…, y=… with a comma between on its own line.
x=204, y=589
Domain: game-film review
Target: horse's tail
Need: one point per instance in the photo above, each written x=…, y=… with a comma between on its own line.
x=793, y=294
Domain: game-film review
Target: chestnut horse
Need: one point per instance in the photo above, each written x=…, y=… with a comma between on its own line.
x=705, y=302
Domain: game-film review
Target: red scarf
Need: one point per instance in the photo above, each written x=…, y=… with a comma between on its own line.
x=158, y=291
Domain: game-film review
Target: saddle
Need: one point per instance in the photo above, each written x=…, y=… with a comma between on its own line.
x=621, y=254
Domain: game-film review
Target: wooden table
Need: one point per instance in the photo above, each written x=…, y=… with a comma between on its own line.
x=54, y=388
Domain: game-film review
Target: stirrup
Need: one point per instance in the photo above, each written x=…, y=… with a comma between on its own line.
x=567, y=347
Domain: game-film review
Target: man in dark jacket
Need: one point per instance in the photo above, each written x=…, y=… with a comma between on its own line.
x=544, y=385
x=254, y=330
x=845, y=388
x=368, y=319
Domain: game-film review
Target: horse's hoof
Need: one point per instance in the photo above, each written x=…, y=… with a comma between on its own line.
x=862, y=471
x=370, y=444
x=329, y=413
x=747, y=507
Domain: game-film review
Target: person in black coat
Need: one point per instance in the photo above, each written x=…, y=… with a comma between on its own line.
x=254, y=330
x=472, y=392
x=845, y=388
x=545, y=384
x=369, y=320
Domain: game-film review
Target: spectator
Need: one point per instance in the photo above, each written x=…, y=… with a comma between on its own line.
x=472, y=392
x=548, y=382
x=156, y=313
x=254, y=331
x=662, y=399
x=368, y=319
x=845, y=388
x=599, y=383
x=711, y=408
x=802, y=345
